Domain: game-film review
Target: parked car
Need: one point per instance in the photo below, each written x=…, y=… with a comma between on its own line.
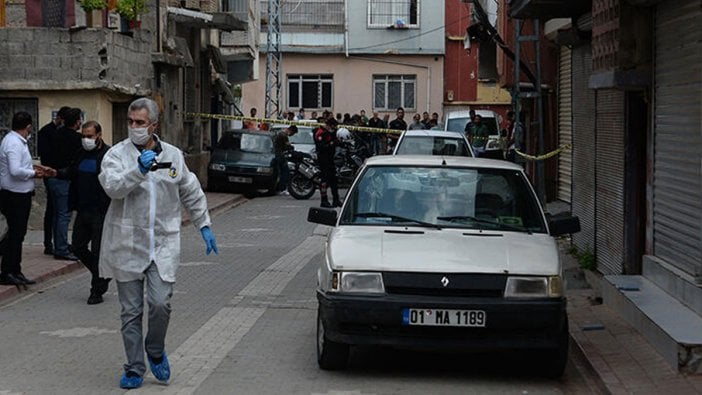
x=432, y=142
x=303, y=140
x=243, y=160
x=442, y=253
x=456, y=121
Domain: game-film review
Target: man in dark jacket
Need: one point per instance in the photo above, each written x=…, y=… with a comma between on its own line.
x=44, y=146
x=90, y=201
x=65, y=145
x=326, y=143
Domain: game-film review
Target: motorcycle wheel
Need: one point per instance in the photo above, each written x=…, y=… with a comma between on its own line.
x=301, y=188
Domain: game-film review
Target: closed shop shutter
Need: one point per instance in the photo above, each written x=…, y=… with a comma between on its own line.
x=583, y=197
x=565, y=124
x=677, y=174
x=609, y=180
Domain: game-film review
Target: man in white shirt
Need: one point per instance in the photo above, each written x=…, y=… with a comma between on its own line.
x=17, y=183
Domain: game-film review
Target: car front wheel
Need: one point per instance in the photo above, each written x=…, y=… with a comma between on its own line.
x=330, y=355
x=555, y=359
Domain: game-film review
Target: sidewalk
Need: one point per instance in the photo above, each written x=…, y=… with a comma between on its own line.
x=42, y=268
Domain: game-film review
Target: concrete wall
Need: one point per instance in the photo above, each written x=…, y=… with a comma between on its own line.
x=353, y=78
x=53, y=58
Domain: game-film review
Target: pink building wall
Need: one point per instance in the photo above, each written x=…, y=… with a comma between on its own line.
x=353, y=76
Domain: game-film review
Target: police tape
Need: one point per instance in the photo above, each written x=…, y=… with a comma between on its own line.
x=286, y=122
x=545, y=156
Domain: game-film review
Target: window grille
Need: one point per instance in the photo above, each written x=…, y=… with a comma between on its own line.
x=395, y=13
x=393, y=91
x=310, y=91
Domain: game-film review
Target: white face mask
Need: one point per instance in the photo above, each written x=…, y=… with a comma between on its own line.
x=139, y=136
x=89, y=144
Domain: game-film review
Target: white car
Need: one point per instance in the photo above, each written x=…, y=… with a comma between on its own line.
x=432, y=142
x=442, y=253
x=456, y=122
x=303, y=140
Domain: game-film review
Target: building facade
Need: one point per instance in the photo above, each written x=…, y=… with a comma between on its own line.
x=95, y=60
x=348, y=56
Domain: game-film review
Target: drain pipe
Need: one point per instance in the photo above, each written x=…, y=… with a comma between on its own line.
x=421, y=66
x=346, y=28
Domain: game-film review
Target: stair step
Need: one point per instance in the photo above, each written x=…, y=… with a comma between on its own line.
x=672, y=328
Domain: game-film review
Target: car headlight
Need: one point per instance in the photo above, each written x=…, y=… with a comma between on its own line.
x=218, y=166
x=534, y=287
x=264, y=170
x=357, y=282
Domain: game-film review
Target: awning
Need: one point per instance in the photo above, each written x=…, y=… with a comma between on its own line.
x=202, y=20
x=175, y=56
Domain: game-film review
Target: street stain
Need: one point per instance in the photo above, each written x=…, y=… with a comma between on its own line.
x=255, y=230
x=265, y=216
x=10, y=392
x=235, y=245
x=78, y=332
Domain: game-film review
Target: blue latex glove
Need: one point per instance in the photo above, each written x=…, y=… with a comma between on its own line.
x=146, y=159
x=210, y=241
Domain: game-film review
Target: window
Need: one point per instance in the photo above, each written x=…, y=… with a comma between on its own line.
x=310, y=91
x=392, y=91
x=8, y=108
x=396, y=13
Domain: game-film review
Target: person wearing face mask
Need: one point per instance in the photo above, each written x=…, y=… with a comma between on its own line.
x=87, y=197
x=147, y=180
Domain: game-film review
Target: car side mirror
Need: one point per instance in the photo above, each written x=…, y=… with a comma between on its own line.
x=563, y=224
x=322, y=216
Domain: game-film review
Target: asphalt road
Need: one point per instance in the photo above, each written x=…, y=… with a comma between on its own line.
x=243, y=322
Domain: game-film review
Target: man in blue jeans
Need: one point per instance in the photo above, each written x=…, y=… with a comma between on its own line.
x=66, y=144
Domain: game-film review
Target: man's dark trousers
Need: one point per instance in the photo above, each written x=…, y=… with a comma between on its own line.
x=87, y=230
x=48, y=219
x=15, y=207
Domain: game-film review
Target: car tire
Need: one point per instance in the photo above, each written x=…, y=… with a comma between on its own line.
x=330, y=355
x=213, y=187
x=300, y=187
x=555, y=360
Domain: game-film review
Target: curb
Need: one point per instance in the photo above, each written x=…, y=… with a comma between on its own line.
x=584, y=366
x=8, y=292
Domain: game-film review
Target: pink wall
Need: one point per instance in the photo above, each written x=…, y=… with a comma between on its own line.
x=353, y=78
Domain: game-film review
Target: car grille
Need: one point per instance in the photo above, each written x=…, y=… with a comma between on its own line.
x=242, y=170
x=450, y=284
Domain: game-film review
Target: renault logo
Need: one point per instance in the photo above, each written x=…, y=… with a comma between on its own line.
x=444, y=281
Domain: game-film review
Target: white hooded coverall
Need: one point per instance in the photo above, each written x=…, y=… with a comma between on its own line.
x=143, y=222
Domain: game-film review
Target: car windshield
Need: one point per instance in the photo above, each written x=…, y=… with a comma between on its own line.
x=432, y=145
x=247, y=142
x=459, y=124
x=444, y=197
x=303, y=136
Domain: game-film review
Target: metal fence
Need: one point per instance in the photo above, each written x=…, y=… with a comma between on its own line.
x=308, y=13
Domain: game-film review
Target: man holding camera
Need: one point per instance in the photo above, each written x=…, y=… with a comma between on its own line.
x=147, y=180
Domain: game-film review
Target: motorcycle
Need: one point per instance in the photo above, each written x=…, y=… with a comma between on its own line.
x=306, y=176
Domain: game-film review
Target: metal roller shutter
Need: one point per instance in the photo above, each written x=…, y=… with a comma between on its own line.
x=565, y=124
x=609, y=179
x=677, y=174
x=583, y=198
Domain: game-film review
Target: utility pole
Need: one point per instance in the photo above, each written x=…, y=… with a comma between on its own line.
x=273, y=60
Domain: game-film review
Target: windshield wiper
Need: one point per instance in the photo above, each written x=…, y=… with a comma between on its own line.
x=396, y=218
x=484, y=221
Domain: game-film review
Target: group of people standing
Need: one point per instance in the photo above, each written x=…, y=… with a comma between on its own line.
x=128, y=201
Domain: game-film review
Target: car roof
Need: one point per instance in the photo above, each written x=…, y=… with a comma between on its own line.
x=437, y=160
x=466, y=114
x=428, y=133
x=251, y=131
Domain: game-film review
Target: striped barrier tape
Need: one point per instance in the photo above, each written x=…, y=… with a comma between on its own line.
x=545, y=156
x=286, y=122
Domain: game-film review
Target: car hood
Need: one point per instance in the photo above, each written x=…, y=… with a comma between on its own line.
x=241, y=158
x=376, y=248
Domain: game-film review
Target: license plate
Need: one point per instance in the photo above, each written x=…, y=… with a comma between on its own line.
x=241, y=180
x=442, y=317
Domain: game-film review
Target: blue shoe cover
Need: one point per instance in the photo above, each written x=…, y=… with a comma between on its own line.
x=161, y=371
x=128, y=383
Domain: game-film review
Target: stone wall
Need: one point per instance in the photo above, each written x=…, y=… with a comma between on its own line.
x=55, y=58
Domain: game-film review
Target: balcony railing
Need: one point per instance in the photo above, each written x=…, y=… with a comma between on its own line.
x=308, y=14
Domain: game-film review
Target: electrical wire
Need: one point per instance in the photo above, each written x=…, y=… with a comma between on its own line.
x=410, y=37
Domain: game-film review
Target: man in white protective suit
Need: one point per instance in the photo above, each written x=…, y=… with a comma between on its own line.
x=147, y=180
